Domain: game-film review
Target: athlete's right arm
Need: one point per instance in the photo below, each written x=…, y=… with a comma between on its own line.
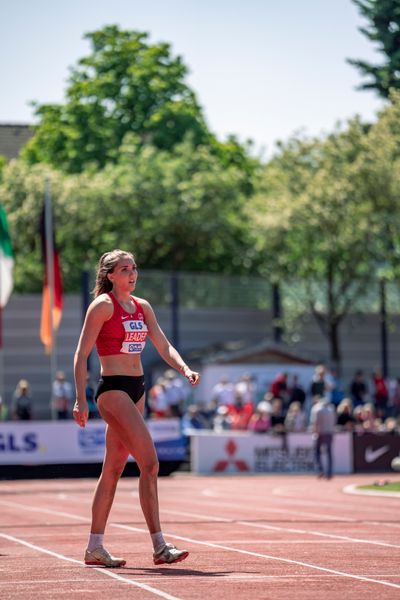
x=98, y=312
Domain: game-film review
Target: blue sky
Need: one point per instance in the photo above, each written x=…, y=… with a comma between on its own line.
x=262, y=69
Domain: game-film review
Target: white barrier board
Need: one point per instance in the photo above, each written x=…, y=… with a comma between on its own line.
x=52, y=442
x=234, y=452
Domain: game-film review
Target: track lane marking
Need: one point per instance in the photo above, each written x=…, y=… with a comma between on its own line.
x=219, y=546
x=103, y=571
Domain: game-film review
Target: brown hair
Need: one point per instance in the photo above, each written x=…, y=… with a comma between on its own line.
x=107, y=264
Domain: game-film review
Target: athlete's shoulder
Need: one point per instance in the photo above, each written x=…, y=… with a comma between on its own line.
x=145, y=306
x=142, y=302
x=102, y=305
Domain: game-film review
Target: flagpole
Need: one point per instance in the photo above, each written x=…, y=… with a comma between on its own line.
x=2, y=386
x=50, y=280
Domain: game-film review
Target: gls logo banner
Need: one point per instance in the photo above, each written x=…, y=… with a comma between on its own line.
x=91, y=440
x=12, y=442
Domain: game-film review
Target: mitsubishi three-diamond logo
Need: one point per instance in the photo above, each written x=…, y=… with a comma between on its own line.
x=230, y=461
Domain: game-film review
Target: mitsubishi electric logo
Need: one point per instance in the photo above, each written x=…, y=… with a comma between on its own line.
x=230, y=461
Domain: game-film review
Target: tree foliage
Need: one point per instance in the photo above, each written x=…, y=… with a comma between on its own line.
x=179, y=209
x=329, y=214
x=384, y=30
x=126, y=87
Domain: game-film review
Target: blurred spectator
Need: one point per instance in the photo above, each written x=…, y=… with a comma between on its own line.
x=296, y=392
x=336, y=388
x=380, y=393
x=222, y=420
x=246, y=388
x=175, y=392
x=92, y=406
x=62, y=396
x=209, y=412
x=279, y=387
x=260, y=421
x=358, y=389
x=193, y=419
x=365, y=418
x=277, y=416
x=295, y=419
x=240, y=413
x=318, y=383
x=158, y=401
x=21, y=406
x=345, y=418
x=3, y=410
x=390, y=425
x=223, y=392
x=322, y=422
x=394, y=397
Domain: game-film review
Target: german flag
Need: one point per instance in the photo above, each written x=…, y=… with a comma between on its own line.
x=51, y=264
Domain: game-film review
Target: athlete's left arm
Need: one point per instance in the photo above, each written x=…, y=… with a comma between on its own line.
x=164, y=347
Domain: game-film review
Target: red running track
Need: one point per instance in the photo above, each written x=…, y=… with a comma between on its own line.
x=261, y=537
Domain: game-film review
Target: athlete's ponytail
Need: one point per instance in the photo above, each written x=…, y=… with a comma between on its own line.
x=107, y=264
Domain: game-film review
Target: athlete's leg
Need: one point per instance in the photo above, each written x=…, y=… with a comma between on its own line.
x=114, y=462
x=126, y=420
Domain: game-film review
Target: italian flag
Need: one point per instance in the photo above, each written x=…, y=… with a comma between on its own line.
x=6, y=260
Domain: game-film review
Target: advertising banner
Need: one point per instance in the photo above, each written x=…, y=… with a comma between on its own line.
x=49, y=442
x=234, y=452
x=374, y=452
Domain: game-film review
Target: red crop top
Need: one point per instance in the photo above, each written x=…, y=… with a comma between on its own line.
x=124, y=333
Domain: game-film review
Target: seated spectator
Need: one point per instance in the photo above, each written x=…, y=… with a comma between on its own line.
x=222, y=420
x=390, y=425
x=208, y=411
x=279, y=387
x=176, y=392
x=3, y=410
x=246, y=388
x=260, y=421
x=380, y=393
x=295, y=419
x=358, y=389
x=319, y=384
x=240, y=413
x=394, y=397
x=336, y=388
x=193, y=419
x=158, y=401
x=345, y=418
x=366, y=418
x=92, y=406
x=277, y=416
x=223, y=392
x=61, y=396
x=296, y=392
x=21, y=406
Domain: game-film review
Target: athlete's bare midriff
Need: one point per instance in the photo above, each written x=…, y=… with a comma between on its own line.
x=120, y=364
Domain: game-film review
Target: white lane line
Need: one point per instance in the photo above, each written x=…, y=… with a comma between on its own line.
x=238, y=550
x=295, y=500
x=102, y=571
x=270, y=557
x=209, y=517
x=353, y=489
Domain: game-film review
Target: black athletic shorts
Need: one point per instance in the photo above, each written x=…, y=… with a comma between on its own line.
x=131, y=384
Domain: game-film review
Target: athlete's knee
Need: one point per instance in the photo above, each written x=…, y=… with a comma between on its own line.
x=113, y=472
x=149, y=467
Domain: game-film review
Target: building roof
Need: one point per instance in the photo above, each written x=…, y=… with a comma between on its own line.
x=241, y=352
x=13, y=137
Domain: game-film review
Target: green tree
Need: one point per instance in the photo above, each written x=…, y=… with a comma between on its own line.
x=318, y=227
x=176, y=210
x=125, y=85
x=384, y=30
